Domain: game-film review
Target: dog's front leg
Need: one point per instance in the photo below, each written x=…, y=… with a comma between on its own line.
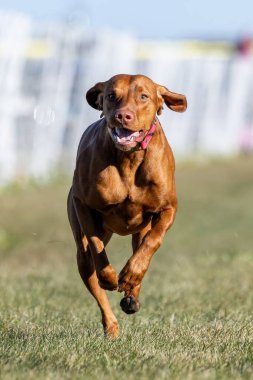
x=134, y=270
x=97, y=238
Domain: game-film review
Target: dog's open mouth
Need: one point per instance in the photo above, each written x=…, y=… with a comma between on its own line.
x=124, y=136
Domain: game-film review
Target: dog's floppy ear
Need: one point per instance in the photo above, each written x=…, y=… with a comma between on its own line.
x=176, y=102
x=94, y=96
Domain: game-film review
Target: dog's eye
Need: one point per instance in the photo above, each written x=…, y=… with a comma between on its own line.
x=144, y=96
x=111, y=96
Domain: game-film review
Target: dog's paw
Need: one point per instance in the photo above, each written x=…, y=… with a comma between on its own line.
x=131, y=276
x=112, y=330
x=130, y=304
x=107, y=278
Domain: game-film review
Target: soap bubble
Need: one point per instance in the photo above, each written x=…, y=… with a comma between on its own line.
x=78, y=16
x=76, y=19
x=43, y=114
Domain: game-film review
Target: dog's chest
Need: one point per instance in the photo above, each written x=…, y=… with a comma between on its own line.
x=126, y=199
x=129, y=193
x=125, y=218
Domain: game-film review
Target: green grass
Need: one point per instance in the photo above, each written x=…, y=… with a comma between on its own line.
x=197, y=298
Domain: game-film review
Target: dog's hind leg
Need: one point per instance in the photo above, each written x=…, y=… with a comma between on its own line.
x=130, y=304
x=91, y=225
x=88, y=274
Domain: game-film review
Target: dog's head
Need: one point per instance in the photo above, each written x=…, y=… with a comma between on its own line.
x=130, y=104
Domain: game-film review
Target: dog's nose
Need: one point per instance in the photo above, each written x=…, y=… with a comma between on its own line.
x=124, y=116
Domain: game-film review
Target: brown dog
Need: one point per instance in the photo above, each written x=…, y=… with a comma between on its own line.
x=123, y=183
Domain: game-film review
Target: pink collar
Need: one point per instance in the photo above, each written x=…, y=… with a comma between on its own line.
x=149, y=135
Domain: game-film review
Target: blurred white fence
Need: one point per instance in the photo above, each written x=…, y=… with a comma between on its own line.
x=45, y=72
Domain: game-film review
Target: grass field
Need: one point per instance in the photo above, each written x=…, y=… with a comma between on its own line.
x=196, y=319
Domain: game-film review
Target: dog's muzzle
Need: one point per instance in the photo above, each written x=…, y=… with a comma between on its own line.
x=125, y=138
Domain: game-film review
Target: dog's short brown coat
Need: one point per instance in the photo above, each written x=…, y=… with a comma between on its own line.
x=122, y=189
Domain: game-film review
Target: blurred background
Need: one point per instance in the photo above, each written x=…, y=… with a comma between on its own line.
x=51, y=53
